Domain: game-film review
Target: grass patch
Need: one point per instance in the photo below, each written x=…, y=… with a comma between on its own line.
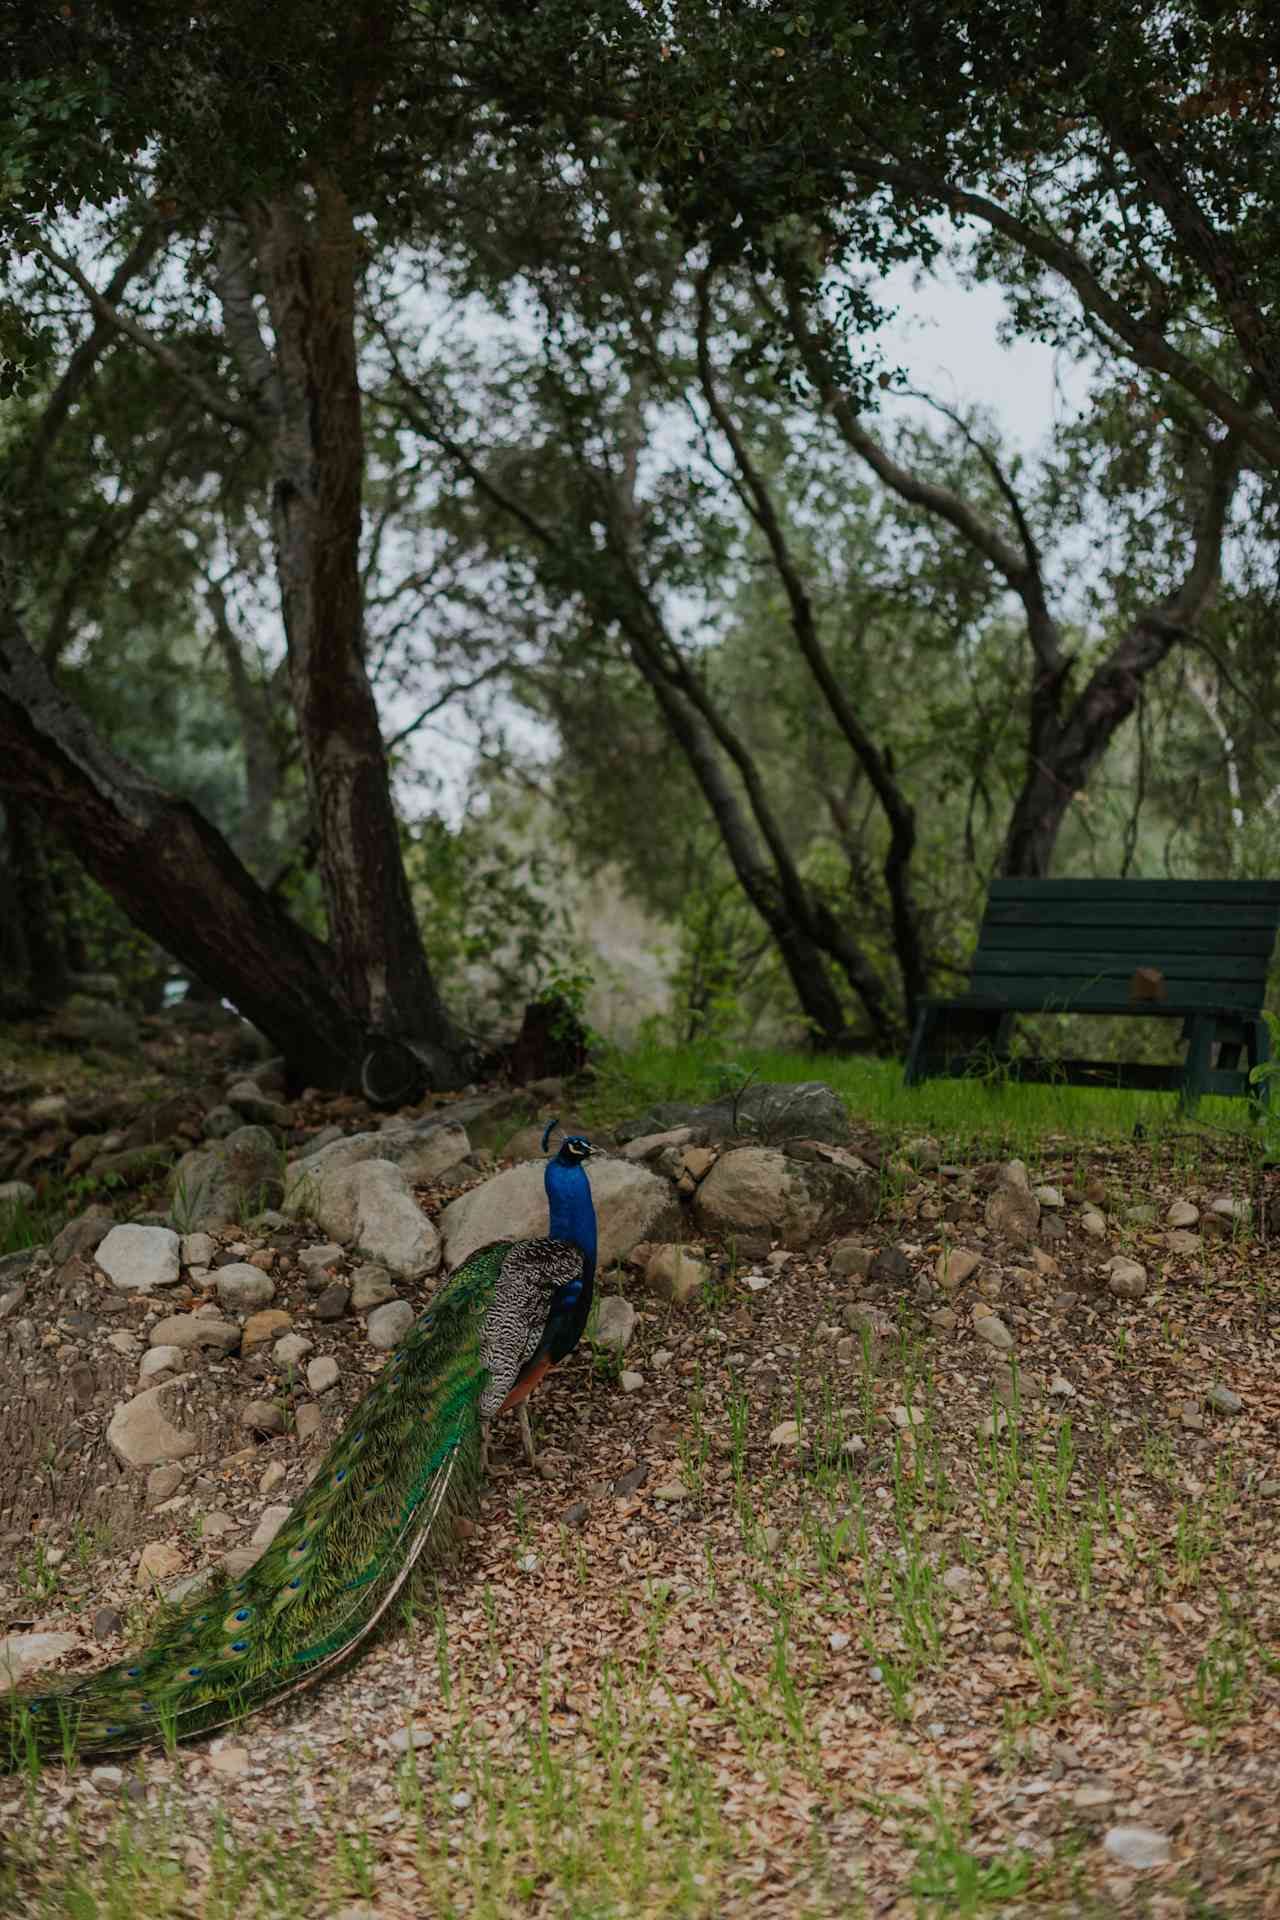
x=962, y=1115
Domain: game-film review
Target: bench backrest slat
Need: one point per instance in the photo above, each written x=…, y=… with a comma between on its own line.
x=1078, y=943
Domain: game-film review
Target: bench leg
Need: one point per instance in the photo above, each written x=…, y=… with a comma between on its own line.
x=917, y=1053
x=1259, y=1045
x=1195, y=1070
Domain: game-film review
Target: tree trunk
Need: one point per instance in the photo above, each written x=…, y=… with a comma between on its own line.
x=309, y=263
x=171, y=871
x=43, y=938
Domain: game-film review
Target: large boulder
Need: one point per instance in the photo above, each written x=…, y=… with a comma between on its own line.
x=141, y=1434
x=421, y=1152
x=225, y=1181
x=765, y=1113
x=631, y=1205
x=798, y=1202
x=369, y=1207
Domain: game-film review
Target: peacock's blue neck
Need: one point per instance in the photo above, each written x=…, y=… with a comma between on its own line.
x=573, y=1214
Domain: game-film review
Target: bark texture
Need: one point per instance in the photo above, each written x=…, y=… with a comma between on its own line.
x=309, y=263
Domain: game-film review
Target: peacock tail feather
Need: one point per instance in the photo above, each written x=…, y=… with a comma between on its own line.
x=385, y=1495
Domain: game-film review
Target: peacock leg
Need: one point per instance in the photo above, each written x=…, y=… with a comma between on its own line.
x=484, y=1449
x=526, y=1435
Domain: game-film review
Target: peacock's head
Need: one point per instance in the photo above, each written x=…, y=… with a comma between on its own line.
x=574, y=1148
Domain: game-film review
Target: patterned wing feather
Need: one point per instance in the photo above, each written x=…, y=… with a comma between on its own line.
x=535, y=1277
x=404, y=1463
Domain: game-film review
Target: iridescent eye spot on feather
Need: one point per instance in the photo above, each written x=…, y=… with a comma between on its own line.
x=339, y=1476
x=131, y=1673
x=239, y=1646
x=193, y=1673
x=295, y=1584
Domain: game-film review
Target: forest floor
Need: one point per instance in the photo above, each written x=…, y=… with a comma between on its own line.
x=843, y=1610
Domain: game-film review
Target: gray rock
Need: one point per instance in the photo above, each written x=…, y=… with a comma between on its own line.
x=615, y=1323
x=308, y=1421
x=767, y=1112
x=850, y=1260
x=273, y=1518
x=23, y=1653
x=198, y=1249
x=219, y=1184
x=955, y=1266
x=82, y=1236
x=647, y=1146
x=371, y=1285
x=262, y=1417
x=220, y=1121
x=198, y=1330
x=162, y=1484
x=317, y=1261
x=924, y=1153
x=136, y=1259
x=1223, y=1400
x=291, y=1349
x=1137, y=1846
x=1094, y=1223
x=369, y=1205
x=159, y=1358
x=1128, y=1279
x=16, y=1196
x=332, y=1303
x=631, y=1204
x=800, y=1202
x=389, y=1324
x=990, y=1328
x=244, y=1287
x=323, y=1373
x=10, y=1300
x=1013, y=1209
x=1182, y=1213
x=422, y=1152
x=141, y=1434
x=132, y=1165
x=676, y=1274
x=107, y=1623
x=248, y=1100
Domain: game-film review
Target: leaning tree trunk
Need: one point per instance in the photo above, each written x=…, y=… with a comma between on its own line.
x=172, y=872
x=309, y=263
x=42, y=936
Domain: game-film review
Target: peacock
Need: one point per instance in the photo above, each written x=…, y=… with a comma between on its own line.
x=407, y=1461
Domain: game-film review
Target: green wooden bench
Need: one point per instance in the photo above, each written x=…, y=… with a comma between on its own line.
x=1189, y=950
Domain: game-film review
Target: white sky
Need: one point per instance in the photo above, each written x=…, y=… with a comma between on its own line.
x=945, y=335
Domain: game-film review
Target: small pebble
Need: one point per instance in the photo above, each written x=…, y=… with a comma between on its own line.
x=1138, y=1846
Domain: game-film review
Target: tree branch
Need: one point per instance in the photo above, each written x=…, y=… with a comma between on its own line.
x=114, y=316
x=1146, y=343
x=898, y=812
